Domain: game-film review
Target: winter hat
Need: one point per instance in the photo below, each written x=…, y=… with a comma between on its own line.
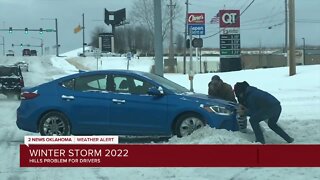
x=215, y=78
x=240, y=87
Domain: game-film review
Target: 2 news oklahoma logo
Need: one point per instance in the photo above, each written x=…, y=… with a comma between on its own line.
x=229, y=18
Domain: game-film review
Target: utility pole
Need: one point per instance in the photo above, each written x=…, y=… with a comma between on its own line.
x=191, y=73
x=158, y=46
x=286, y=28
x=83, y=44
x=185, y=38
x=3, y=46
x=304, y=51
x=57, y=42
x=171, y=53
x=41, y=47
x=292, y=59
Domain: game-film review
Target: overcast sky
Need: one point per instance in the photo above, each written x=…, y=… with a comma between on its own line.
x=254, y=22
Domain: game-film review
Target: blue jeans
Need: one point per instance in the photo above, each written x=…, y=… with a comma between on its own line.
x=272, y=114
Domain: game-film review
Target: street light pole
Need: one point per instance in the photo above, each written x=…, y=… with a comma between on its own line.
x=3, y=46
x=185, y=38
x=83, y=42
x=304, y=50
x=56, y=30
x=292, y=35
x=41, y=45
x=286, y=28
x=57, y=41
x=171, y=53
x=158, y=41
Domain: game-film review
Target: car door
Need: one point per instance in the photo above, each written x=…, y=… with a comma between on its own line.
x=86, y=101
x=134, y=112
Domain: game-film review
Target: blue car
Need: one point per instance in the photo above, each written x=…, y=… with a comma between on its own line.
x=120, y=102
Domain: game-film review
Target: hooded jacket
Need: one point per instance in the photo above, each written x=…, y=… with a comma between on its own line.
x=224, y=92
x=255, y=100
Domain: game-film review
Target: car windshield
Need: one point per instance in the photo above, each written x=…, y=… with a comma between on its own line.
x=172, y=86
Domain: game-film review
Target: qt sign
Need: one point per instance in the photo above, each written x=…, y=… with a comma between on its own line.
x=229, y=18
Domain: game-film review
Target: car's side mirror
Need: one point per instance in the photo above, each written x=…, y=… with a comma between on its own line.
x=155, y=91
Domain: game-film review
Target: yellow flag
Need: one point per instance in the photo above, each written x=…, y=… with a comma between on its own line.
x=77, y=29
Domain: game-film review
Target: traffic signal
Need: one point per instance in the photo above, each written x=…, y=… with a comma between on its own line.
x=188, y=43
x=26, y=30
x=21, y=45
x=197, y=43
x=41, y=31
x=10, y=29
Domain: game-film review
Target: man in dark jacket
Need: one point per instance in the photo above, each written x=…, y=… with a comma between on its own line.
x=219, y=89
x=260, y=106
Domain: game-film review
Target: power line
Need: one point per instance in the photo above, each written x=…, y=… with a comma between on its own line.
x=247, y=7
x=243, y=5
x=238, y=17
x=265, y=27
x=261, y=18
x=307, y=21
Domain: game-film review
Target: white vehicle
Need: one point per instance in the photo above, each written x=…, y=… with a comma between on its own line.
x=23, y=66
x=10, y=53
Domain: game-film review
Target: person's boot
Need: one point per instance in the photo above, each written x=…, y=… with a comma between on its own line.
x=290, y=140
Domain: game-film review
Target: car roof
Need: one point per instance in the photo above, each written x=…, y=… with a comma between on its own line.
x=21, y=62
x=111, y=71
x=9, y=66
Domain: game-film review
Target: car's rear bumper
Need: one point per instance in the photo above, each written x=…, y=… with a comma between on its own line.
x=26, y=123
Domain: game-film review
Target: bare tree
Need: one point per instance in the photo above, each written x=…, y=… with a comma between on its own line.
x=179, y=43
x=142, y=14
x=120, y=44
x=138, y=35
x=130, y=37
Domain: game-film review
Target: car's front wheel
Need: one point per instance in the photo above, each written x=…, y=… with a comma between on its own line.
x=187, y=124
x=54, y=124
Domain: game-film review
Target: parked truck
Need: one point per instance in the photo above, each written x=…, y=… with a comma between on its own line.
x=11, y=81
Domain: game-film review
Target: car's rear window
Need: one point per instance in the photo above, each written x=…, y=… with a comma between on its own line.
x=9, y=71
x=174, y=87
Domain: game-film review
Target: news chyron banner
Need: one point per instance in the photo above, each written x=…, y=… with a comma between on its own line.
x=105, y=151
x=46, y=151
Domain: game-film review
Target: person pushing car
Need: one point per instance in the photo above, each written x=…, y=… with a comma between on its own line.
x=221, y=90
x=260, y=105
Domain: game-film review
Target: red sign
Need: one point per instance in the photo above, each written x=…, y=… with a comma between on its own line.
x=229, y=18
x=156, y=155
x=196, y=18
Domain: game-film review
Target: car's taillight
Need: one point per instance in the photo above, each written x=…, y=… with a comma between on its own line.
x=28, y=95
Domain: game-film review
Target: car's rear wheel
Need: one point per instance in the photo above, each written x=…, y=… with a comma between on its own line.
x=187, y=124
x=54, y=124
